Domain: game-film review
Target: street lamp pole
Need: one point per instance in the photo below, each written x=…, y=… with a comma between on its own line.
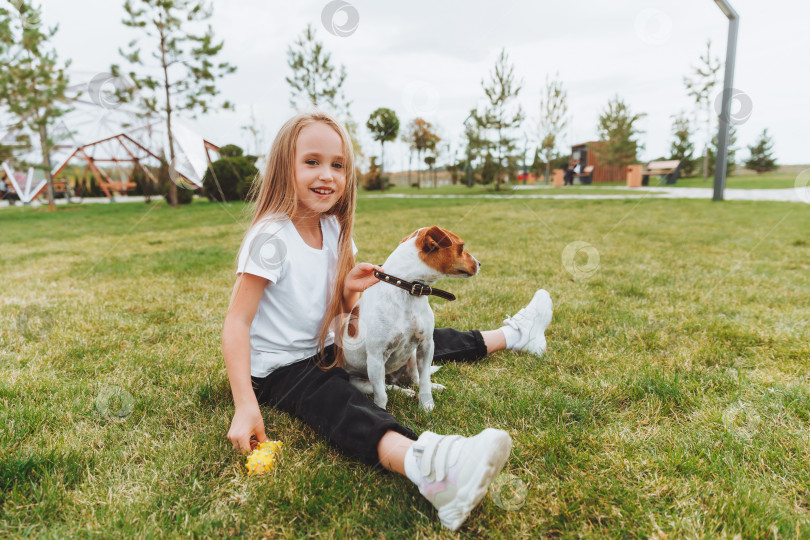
x=721, y=161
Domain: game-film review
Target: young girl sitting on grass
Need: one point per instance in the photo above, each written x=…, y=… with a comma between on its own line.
x=295, y=275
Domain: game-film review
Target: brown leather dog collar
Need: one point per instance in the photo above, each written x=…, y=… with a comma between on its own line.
x=414, y=288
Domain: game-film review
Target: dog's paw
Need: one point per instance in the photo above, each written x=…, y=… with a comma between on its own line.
x=438, y=387
x=426, y=403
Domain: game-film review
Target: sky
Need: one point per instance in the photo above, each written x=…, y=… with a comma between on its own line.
x=428, y=59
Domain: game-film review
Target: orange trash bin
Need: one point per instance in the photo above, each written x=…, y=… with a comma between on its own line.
x=558, y=177
x=634, y=176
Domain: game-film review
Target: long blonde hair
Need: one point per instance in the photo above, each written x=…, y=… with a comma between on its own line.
x=273, y=194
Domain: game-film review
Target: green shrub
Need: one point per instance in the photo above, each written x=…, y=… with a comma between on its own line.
x=372, y=180
x=143, y=184
x=487, y=172
x=184, y=196
x=230, y=177
x=230, y=151
x=87, y=185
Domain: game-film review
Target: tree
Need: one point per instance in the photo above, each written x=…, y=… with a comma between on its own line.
x=617, y=128
x=553, y=111
x=522, y=157
x=682, y=146
x=454, y=168
x=188, y=74
x=474, y=145
x=256, y=132
x=32, y=81
x=700, y=88
x=6, y=153
x=500, y=115
x=384, y=127
x=430, y=161
x=420, y=136
x=538, y=165
x=731, y=164
x=558, y=161
x=317, y=83
x=761, y=159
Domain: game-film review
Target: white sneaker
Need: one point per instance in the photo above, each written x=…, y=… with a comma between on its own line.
x=456, y=471
x=532, y=322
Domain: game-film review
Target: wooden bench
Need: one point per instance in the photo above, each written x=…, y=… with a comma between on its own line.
x=669, y=171
x=586, y=176
x=11, y=195
x=7, y=192
x=121, y=187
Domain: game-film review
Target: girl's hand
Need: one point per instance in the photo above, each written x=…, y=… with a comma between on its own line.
x=247, y=422
x=360, y=278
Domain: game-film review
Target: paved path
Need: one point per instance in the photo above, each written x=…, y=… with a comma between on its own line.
x=798, y=195
x=618, y=192
x=86, y=200
x=731, y=194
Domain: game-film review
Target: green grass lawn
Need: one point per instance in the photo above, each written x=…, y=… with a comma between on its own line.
x=673, y=400
x=757, y=181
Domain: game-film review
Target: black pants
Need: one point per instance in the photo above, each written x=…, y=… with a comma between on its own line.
x=330, y=404
x=569, y=177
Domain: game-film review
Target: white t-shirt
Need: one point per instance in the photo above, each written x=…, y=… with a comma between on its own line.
x=293, y=304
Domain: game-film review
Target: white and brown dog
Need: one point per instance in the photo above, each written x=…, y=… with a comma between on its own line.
x=393, y=327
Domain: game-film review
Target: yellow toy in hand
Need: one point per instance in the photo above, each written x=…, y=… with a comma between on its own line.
x=263, y=458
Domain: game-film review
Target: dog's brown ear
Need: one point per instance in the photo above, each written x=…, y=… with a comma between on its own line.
x=435, y=238
x=409, y=236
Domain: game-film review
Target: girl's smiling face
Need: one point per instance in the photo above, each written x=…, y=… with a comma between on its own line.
x=320, y=178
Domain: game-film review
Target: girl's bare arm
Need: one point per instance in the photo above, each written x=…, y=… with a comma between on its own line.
x=236, y=350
